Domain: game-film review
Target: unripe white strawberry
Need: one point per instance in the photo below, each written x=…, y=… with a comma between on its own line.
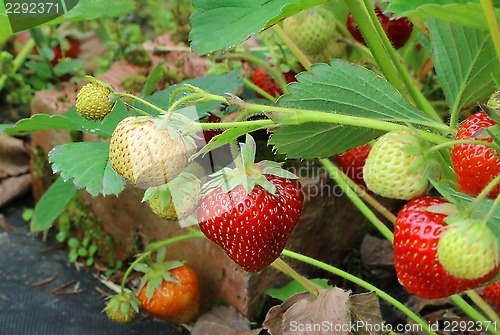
x=468, y=250
x=177, y=200
x=332, y=49
x=146, y=155
x=395, y=167
x=310, y=29
x=94, y=101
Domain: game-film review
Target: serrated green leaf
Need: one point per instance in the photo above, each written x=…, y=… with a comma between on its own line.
x=219, y=24
x=463, y=58
x=293, y=8
x=86, y=163
x=105, y=127
x=40, y=122
x=465, y=12
x=319, y=140
x=340, y=88
x=52, y=203
x=292, y=288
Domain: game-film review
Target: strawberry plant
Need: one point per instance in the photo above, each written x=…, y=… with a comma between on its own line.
x=440, y=157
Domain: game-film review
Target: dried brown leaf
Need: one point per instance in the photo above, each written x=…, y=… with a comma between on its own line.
x=365, y=313
x=223, y=321
x=304, y=313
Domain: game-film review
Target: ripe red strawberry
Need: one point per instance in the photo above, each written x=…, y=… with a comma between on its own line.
x=416, y=236
x=398, y=30
x=251, y=213
x=475, y=165
x=170, y=291
x=353, y=161
x=268, y=84
x=69, y=50
x=491, y=293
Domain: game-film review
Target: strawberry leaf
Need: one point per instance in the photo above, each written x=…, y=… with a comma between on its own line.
x=340, y=88
x=39, y=122
x=466, y=12
x=464, y=59
x=219, y=24
x=87, y=164
x=292, y=288
x=52, y=204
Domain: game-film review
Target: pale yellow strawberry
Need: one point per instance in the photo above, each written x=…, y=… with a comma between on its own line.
x=145, y=155
x=468, y=250
x=395, y=168
x=332, y=49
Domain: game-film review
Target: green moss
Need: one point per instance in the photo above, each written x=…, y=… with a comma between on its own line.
x=134, y=83
x=84, y=223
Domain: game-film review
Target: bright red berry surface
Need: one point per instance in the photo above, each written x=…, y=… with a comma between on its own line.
x=416, y=236
x=262, y=79
x=352, y=161
x=491, y=293
x=475, y=165
x=252, y=228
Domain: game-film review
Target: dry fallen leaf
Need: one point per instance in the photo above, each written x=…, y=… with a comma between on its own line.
x=14, y=168
x=376, y=251
x=365, y=313
x=304, y=313
x=223, y=321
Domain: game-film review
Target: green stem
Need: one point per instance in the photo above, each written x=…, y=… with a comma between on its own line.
x=387, y=58
x=301, y=56
x=155, y=246
x=141, y=100
x=270, y=70
x=473, y=313
x=258, y=90
x=483, y=305
x=199, y=97
x=481, y=196
x=311, y=287
x=362, y=283
x=340, y=178
x=493, y=25
x=452, y=143
x=226, y=125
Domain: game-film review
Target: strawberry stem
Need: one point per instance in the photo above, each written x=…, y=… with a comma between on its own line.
x=259, y=90
x=483, y=305
x=474, y=314
x=142, y=101
x=493, y=25
x=452, y=143
x=310, y=286
x=341, y=179
x=301, y=56
x=269, y=69
x=155, y=246
x=481, y=196
x=362, y=283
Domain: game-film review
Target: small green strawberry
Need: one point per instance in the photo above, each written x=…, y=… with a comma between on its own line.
x=123, y=307
x=147, y=153
x=468, y=250
x=311, y=29
x=94, y=101
x=494, y=100
x=333, y=49
x=395, y=167
x=175, y=200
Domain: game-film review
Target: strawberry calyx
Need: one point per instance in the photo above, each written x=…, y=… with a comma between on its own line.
x=156, y=272
x=126, y=304
x=247, y=173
